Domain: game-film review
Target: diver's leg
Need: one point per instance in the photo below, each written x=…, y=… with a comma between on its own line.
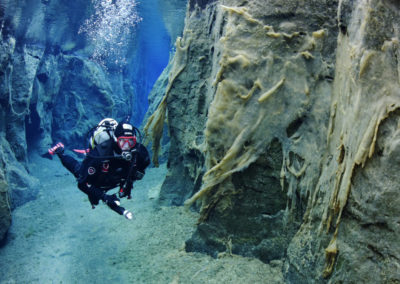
x=70, y=164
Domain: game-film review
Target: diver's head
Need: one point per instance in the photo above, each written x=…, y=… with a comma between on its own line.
x=126, y=139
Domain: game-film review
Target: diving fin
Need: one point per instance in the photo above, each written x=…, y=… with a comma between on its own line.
x=47, y=155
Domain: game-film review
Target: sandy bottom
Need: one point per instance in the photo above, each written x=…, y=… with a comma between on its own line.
x=58, y=238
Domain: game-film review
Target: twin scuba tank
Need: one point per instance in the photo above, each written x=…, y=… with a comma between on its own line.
x=103, y=132
x=102, y=139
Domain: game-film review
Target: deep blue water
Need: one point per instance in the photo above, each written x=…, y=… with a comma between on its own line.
x=152, y=53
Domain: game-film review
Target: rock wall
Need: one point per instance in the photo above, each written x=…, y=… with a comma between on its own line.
x=353, y=203
x=13, y=146
x=5, y=208
x=283, y=122
x=188, y=97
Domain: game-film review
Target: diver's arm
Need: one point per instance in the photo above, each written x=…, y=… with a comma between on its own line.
x=94, y=194
x=126, y=187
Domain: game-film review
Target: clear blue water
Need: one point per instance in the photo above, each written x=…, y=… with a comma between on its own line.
x=152, y=53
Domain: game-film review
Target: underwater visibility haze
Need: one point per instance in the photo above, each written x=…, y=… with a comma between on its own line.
x=272, y=129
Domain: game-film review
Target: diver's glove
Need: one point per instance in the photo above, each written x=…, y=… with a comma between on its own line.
x=128, y=215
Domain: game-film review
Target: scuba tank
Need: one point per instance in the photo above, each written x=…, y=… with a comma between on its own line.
x=104, y=131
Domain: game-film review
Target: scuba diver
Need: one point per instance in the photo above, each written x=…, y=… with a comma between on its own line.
x=114, y=158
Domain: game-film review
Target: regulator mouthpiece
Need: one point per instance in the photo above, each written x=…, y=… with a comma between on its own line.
x=126, y=156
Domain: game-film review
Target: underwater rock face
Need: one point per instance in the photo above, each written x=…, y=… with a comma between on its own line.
x=271, y=101
x=352, y=213
x=5, y=209
x=253, y=92
x=13, y=149
x=188, y=97
x=283, y=123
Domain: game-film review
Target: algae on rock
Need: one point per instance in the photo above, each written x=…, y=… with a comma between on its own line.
x=268, y=100
x=155, y=123
x=298, y=148
x=365, y=100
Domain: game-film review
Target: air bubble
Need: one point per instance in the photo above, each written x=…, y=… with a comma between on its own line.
x=110, y=26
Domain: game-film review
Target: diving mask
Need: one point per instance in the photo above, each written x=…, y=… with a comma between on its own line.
x=126, y=142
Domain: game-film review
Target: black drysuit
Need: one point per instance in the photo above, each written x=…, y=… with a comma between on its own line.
x=103, y=169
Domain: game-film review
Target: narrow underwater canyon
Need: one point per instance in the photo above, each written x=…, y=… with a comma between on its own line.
x=277, y=122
